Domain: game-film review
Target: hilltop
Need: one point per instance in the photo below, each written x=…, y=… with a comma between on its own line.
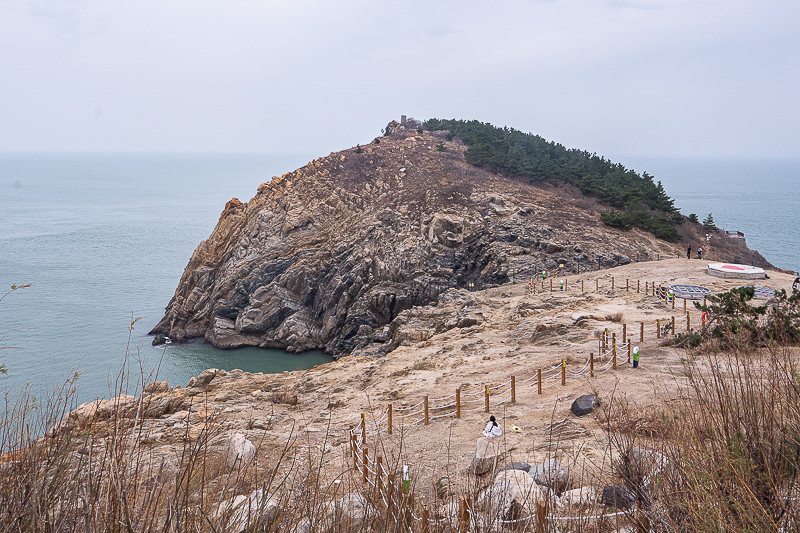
x=331, y=255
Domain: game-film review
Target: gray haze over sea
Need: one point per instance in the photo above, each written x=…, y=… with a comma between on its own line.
x=105, y=238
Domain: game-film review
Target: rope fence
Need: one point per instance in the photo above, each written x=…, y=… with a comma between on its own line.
x=611, y=353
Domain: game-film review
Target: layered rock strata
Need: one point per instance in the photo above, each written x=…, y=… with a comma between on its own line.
x=330, y=255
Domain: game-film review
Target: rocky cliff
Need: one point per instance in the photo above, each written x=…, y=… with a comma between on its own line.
x=328, y=256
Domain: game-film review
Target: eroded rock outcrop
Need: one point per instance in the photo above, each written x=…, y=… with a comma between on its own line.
x=327, y=256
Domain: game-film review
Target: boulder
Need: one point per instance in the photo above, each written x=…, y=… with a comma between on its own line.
x=487, y=453
x=579, y=496
x=158, y=340
x=618, y=496
x=240, y=451
x=583, y=405
x=155, y=387
x=512, y=494
x=550, y=474
x=243, y=512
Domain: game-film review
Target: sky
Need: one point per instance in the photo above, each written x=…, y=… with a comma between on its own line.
x=713, y=78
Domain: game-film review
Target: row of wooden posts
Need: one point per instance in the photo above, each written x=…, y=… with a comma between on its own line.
x=649, y=287
x=609, y=343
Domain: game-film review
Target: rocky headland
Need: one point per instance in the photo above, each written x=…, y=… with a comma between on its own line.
x=337, y=254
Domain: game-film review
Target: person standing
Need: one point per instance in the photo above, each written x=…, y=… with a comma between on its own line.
x=700, y=252
x=689, y=252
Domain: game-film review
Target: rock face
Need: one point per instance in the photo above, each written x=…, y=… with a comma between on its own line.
x=326, y=257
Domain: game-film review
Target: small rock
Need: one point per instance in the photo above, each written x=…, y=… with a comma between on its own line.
x=158, y=340
x=240, y=451
x=583, y=405
x=617, y=496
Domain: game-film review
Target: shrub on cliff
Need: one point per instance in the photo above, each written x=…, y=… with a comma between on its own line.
x=509, y=151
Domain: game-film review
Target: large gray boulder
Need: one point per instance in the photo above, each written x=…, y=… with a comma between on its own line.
x=512, y=494
x=583, y=405
x=552, y=475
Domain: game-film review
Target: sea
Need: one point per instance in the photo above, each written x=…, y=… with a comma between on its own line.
x=103, y=240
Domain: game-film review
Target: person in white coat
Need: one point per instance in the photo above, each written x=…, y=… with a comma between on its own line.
x=493, y=429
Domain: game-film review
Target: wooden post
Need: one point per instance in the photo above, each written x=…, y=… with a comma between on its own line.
x=364, y=429
x=673, y=300
x=684, y=305
x=378, y=466
x=629, y=350
x=658, y=329
x=551, y=284
x=463, y=515
x=566, y=285
x=458, y=403
x=605, y=340
x=704, y=301
x=688, y=326
x=486, y=399
x=563, y=371
x=673, y=325
x=390, y=419
x=427, y=419
x=425, y=527
x=641, y=331
x=612, y=283
x=597, y=285
x=591, y=364
x=539, y=372
x=637, y=286
x=513, y=389
x=624, y=332
x=614, y=351
x=541, y=517
x=364, y=464
x=626, y=284
x=614, y=342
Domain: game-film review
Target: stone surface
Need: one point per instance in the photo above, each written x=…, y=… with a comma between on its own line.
x=579, y=496
x=584, y=405
x=512, y=494
x=487, y=454
x=552, y=475
x=242, y=512
x=240, y=451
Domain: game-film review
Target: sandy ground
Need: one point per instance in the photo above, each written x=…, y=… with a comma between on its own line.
x=521, y=333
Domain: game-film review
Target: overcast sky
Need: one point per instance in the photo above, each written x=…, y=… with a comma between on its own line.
x=633, y=77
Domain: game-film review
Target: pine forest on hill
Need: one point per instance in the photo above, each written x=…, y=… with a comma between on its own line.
x=634, y=199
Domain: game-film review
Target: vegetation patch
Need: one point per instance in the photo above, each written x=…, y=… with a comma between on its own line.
x=634, y=199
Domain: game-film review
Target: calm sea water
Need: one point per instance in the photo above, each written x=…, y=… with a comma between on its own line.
x=759, y=197
x=104, y=240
